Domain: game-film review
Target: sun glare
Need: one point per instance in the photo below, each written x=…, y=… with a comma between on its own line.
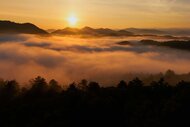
x=72, y=20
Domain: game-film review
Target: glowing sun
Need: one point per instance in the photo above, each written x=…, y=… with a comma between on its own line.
x=72, y=20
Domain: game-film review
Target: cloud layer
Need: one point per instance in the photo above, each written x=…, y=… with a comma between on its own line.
x=23, y=57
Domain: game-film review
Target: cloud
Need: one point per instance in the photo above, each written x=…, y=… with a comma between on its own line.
x=42, y=44
x=72, y=59
x=12, y=38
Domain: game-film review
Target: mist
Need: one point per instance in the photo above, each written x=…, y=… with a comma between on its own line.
x=69, y=59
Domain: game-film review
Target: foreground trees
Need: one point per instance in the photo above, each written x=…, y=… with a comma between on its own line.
x=83, y=104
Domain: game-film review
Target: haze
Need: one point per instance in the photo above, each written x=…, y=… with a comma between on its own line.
x=69, y=59
x=98, y=13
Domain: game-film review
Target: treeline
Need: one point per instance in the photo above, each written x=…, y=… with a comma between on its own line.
x=178, y=44
x=87, y=104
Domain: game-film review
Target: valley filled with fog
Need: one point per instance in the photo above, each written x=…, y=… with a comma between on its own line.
x=103, y=59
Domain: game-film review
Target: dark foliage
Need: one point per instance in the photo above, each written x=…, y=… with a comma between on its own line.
x=8, y=27
x=184, y=45
x=130, y=104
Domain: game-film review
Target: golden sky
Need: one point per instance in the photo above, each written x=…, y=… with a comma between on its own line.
x=99, y=13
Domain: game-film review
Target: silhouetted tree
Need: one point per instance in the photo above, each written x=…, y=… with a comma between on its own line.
x=54, y=87
x=135, y=83
x=83, y=85
x=93, y=87
x=122, y=85
x=10, y=89
x=2, y=84
x=39, y=86
x=72, y=87
x=132, y=105
x=183, y=85
x=169, y=73
x=160, y=84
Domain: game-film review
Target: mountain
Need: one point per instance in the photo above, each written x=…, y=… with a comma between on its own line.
x=50, y=30
x=7, y=27
x=178, y=31
x=66, y=31
x=146, y=31
x=177, y=44
x=168, y=31
x=88, y=31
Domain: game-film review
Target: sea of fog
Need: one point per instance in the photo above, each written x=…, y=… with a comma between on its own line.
x=69, y=59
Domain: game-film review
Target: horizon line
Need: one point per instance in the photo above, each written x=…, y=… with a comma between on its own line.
x=127, y=27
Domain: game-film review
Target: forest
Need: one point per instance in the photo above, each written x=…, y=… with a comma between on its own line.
x=177, y=44
x=89, y=104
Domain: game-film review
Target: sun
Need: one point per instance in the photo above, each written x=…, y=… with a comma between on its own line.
x=72, y=20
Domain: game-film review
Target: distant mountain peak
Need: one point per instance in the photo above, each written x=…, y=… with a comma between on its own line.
x=7, y=27
x=89, y=31
x=145, y=31
x=87, y=28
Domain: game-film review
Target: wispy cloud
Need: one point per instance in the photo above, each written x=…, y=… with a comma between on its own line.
x=68, y=59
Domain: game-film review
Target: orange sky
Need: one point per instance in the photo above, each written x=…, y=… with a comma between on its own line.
x=98, y=13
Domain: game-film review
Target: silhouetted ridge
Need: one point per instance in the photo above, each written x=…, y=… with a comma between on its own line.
x=88, y=31
x=177, y=44
x=7, y=27
x=169, y=31
x=146, y=31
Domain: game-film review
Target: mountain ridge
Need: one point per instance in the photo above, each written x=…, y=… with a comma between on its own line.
x=92, y=32
x=9, y=27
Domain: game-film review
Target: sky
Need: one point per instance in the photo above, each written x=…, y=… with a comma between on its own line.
x=50, y=14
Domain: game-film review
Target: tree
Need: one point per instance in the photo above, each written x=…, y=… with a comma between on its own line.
x=160, y=84
x=135, y=83
x=183, y=85
x=122, y=85
x=11, y=89
x=93, y=87
x=39, y=85
x=54, y=86
x=72, y=87
x=169, y=73
x=83, y=85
